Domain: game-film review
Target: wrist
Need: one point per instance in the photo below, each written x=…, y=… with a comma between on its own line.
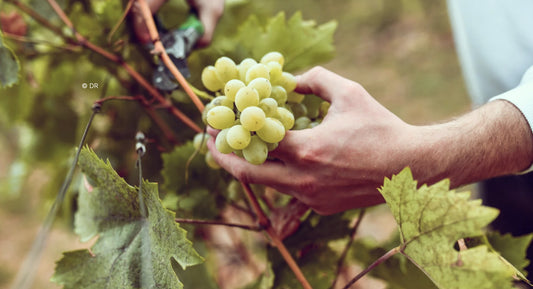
x=491, y=141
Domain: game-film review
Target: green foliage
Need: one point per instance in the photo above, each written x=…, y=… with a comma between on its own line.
x=397, y=271
x=132, y=251
x=302, y=42
x=9, y=65
x=299, y=40
x=431, y=219
x=513, y=249
x=311, y=247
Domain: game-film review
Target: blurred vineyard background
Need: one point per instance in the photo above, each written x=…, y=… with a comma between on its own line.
x=401, y=51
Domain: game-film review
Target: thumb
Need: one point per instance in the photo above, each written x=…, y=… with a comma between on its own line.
x=324, y=83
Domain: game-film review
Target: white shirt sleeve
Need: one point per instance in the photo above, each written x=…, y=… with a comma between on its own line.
x=522, y=97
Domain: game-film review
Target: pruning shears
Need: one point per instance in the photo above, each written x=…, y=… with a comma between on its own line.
x=178, y=44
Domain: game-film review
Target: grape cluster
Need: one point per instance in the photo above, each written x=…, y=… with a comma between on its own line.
x=254, y=105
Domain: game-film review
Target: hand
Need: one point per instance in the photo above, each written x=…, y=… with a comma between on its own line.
x=339, y=164
x=209, y=12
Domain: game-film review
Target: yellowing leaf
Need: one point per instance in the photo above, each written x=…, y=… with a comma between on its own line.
x=431, y=219
x=132, y=251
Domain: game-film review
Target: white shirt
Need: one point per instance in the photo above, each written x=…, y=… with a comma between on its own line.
x=494, y=41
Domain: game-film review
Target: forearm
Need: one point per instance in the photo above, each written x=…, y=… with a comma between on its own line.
x=491, y=141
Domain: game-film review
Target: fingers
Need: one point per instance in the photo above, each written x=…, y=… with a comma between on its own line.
x=325, y=84
x=266, y=173
x=209, y=12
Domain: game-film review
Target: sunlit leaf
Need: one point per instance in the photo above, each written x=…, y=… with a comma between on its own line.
x=431, y=219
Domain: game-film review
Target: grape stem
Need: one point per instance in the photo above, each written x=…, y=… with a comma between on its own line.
x=380, y=260
x=344, y=253
x=159, y=49
x=218, y=223
x=264, y=223
x=132, y=72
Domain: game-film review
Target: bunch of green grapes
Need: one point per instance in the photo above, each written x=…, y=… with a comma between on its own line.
x=253, y=106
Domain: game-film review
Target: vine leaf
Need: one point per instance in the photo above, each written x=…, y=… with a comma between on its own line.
x=431, y=219
x=513, y=249
x=132, y=251
x=397, y=271
x=9, y=67
x=301, y=41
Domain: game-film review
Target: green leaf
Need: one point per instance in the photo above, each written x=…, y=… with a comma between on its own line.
x=302, y=42
x=431, y=219
x=398, y=272
x=513, y=249
x=132, y=251
x=182, y=174
x=9, y=65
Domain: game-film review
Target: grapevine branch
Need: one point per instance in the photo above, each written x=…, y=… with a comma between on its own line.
x=115, y=28
x=264, y=222
x=132, y=72
x=150, y=110
x=347, y=247
x=380, y=260
x=159, y=49
x=218, y=223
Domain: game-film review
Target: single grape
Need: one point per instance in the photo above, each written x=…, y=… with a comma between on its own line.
x=246, y=97
x=256, y=71
x=286, y=117
x=238, y=137
x=324, y=107
x=313, y=124
x=232, y=87
x=252, y=118
x=295, y=97
x=210, y=161
x=222, y=100
x=220, y=117
x=221, y=143
x=226, y=69
x=272, y=146
x=238, y=153
x=256, y=152
x=301, y=123
x=208, y=107
x=288, y=81
x=244, y=66
x=279, y=94
x=199, y=142
x=269, y=106
x=274, y=70
x=273, y=56
x=210, y=79
x=312, y=102
x=273, y=131
x=298, y=109
x=262, y=85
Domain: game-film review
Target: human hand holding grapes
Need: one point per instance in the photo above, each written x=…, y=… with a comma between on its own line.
x=338, y=164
